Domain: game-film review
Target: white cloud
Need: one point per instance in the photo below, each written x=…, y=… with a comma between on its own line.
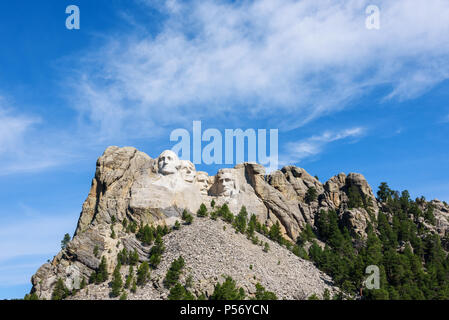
x=26, y=145
x=312, y=146
x=287, y=61
x=13, y=128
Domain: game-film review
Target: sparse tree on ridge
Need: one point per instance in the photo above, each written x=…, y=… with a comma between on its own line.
x=65, y=241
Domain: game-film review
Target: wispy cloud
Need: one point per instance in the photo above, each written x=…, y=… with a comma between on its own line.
x=282, y=62
x=13, y=127
x=312, y=146
x=287, y=61
x=27, y=144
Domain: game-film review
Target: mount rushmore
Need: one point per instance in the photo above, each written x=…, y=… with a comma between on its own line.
x=130, y=185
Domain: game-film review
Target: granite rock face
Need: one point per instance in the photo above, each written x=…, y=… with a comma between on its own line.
x=130, y=185
x=210, y=253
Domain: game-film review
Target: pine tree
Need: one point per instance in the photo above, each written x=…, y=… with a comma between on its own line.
x=240, y=220
x=311, y=195
x=227, y=291
x=117, y=282
x=83, y=283
x=179, y=292
x=384, y=193
x=145, y=235
x=225, y=213
x=275, y=232
x=174, y=272
x=32, y=296
x=263, y=294
x=59, y=291
x=155, y=259
x=133, y=258
x=202, y=211
x=306, y=235
x=266, y=247
x=65, y=241
x=326, y=294
x=102, y=274
x=252, y=224
x=123, y=257
x=134, y=286
x=189, y=281
x=355, y=198
x=96, y=249
x=187, y=217
x=313, y=297
x=143, y=273
x=214, y=215
x=300, y=252
x=132, y=227
x=130, y=277
x=156, y=252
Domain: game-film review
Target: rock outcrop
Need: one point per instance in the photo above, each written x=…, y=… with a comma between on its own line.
x=133, y=187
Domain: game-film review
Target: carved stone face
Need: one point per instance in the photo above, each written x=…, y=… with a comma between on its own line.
x=187, y=170
x=227, y=185
x=168, y=162
x=203, y=181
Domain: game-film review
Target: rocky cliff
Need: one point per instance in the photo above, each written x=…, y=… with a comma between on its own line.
x=131, y=188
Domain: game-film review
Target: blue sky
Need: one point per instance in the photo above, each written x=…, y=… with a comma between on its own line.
x=344, y=98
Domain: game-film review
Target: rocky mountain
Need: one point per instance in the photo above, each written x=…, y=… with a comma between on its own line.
x=131, y=190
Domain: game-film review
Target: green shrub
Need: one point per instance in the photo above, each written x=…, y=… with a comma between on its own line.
x=227, y=291
x=263, y=294
x=116, y=284
x=313, y=297
x=202, y=211
x=266, y=247
x=178, y=292
x=143, y=274
x=156, y=252
x=101, y=274
x=187, y=217
x=240, y=220
x=311, y=195
x=130, y=277
x=145, y=235
x=65, y=241
x=60, y=291
x=174, y=272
